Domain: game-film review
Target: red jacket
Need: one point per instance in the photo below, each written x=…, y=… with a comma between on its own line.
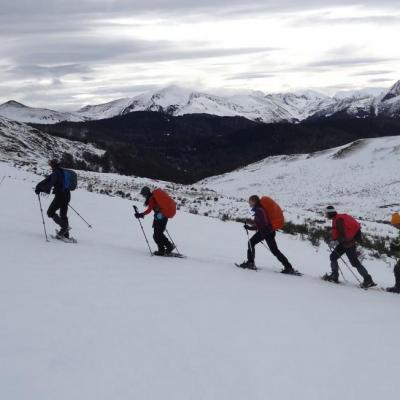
x=344, y=228
x=151, y=206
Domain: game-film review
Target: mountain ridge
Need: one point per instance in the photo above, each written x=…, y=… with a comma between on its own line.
x=292, y=107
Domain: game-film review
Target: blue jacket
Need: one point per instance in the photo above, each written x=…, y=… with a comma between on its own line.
x=55, y=180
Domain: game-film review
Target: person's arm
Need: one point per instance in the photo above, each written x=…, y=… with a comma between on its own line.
x=150, y=207
x=44, y=185
x=341, y=230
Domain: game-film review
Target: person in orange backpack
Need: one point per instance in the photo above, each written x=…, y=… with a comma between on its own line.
x=164, y=208
x=395, y=221
x=262, y=224
x=347, y=232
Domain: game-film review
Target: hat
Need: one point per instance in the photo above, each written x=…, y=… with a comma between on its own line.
x=145, y=192
x=330, y=210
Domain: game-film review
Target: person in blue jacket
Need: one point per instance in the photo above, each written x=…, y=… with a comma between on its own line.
x=62, y=197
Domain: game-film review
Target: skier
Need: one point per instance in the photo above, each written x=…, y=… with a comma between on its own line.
x=347, y=231
x=262, y=224
x=396, y=288
x=164, y=208
x=61, y=199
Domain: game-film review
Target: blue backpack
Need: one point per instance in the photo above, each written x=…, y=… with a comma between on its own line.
x=70, y=179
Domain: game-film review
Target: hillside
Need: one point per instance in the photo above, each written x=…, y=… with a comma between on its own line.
x=191, y=147
x=23, y=144
x=101, y=319
x=360, y=178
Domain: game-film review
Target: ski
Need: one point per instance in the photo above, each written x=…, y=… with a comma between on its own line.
x=294, y=273
x=251, y=269
x=376, y=287
x=171, y=255
x=63, y=239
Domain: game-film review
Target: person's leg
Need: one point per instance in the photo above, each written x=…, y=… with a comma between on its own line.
x=271, y=242
x=351, y=253
x=397, y=275
x=52, y=210
x=66, y=197
x=159, y=226
x=334, y=257
x=251, y=248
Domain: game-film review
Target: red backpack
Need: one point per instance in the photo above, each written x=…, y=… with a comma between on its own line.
x=274, y=212
x=165, y=203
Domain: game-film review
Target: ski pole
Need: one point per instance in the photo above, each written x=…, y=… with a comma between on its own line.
x=347, y=265
x=80, y=216
x=144, y=233
x=172, y=241
x=44, y=224
x=248, y=242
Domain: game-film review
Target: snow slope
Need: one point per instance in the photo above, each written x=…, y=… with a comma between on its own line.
x=22, y=143
x=22, y=113
x=102, y=319
x=361, y=178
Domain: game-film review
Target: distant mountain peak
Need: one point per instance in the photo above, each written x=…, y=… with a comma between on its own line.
x=394, y=91
x=13, y=103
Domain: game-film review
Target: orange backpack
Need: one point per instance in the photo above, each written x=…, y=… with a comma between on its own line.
x=274, y=212
x=165, y=203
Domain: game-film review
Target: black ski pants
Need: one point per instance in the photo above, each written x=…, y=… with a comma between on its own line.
x=397, y=274
x=159, y=226
x=351, y=253
x=60, y=202
x=269, y=238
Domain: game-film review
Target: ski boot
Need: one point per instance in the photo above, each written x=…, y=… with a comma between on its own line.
x=169, y=249
x=368, y=282
x=394, y=289
x=248, y=265
x=331, y=277
x=160, y=252
x=63, y=233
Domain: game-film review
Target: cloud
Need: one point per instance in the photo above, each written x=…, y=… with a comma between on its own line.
x=42, y=71
x=347, y=62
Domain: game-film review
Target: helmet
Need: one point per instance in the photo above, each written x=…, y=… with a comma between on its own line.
x=145, y=192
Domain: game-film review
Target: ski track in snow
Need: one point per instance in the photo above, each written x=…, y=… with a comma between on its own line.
x=102, y=319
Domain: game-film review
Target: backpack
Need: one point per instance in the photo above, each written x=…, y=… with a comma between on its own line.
x=70, y=179
x=274, y=212
x=165, y=203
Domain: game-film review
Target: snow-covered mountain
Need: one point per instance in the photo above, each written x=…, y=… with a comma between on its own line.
x=22, y=113
x=22, y=143
x=257, y=106
x=363, y=104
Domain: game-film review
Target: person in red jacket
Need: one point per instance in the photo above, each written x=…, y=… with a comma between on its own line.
x=347, y=231
x=165, y=247
x=262, y=225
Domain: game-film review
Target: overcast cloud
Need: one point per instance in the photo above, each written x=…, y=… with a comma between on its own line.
x=64, y=54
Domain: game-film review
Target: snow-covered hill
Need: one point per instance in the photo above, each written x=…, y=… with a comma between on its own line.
x=269, y=108
x=102, y=319
x=24, y=144
x=361, y=178
x=22, y=113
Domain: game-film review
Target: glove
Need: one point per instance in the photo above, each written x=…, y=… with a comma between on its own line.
x=139, y=215
x=37, y=190
x=247, y=227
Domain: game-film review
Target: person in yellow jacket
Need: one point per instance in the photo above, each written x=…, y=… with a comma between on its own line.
x=396, y=288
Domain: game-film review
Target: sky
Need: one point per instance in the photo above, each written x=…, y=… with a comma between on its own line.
x=67, y=54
